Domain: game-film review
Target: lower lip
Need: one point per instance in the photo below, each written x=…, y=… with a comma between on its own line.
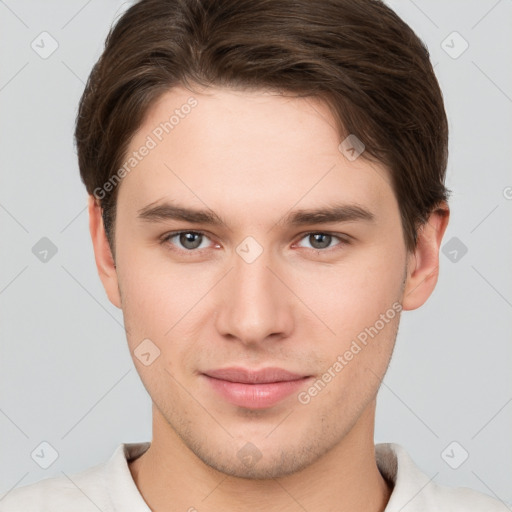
x=255, y=396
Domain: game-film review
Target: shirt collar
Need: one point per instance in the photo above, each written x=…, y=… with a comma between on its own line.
x=406, y=479
x=394, y=463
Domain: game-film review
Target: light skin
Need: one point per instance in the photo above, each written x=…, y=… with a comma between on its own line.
x=254, y=159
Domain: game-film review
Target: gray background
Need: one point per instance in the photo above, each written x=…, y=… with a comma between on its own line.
x=66, y=376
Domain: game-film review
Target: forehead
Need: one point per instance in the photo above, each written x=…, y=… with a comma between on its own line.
x=235, y=148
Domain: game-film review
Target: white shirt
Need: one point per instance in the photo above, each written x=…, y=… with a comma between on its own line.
x=109, y=487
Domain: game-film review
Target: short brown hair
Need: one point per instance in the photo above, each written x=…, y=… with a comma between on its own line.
x=356, y=55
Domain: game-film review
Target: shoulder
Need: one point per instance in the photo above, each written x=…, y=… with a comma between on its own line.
x=414, y=491
x=79, y=491
x=463, y=499
x=107, y=487
x=83, y=491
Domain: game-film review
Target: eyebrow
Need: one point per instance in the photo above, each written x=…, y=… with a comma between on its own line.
x=329, y=214
x=167, y=211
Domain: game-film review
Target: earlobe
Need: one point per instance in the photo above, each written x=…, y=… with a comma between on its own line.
x=102, y=253
x=423, y=264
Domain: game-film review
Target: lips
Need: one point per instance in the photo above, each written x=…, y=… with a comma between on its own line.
x=263, y=376
x=254, y=389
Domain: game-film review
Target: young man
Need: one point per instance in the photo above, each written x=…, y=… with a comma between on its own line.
x=266, y=183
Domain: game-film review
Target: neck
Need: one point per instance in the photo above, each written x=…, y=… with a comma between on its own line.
x=170, y=477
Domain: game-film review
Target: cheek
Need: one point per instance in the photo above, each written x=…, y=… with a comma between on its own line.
x=360, y=304
x=160, y=309
x=351, y=295
x=161, y=301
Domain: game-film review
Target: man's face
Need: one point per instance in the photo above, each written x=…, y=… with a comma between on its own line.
x=257, y=291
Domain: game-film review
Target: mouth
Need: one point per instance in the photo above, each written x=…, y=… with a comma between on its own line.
x=254, y=389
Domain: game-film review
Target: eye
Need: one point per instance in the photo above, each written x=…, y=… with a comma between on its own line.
x=321, y=240
x=189, y=240
x=193, y=241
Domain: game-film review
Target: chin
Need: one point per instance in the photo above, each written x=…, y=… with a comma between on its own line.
x=272, y=461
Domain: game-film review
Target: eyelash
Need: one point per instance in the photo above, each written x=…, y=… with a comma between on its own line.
x=343, y=241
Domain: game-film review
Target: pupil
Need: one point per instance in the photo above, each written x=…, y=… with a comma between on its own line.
x=186, y=239
x=318, y=237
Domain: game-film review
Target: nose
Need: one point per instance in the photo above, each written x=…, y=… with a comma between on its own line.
x=255, y=306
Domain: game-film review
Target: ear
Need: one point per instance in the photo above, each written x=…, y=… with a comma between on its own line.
x=423, y=262
x=102, y=253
